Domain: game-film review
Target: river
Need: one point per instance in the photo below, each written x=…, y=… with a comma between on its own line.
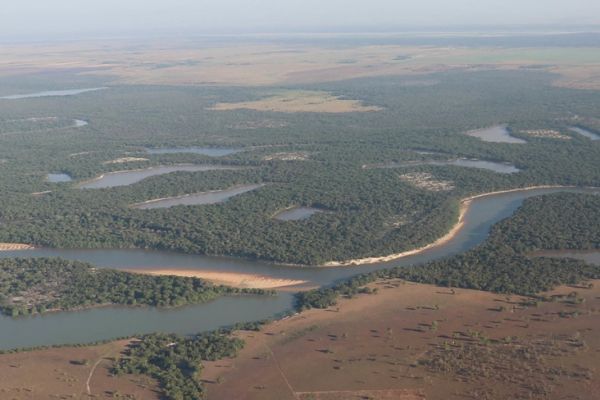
x=110, y=322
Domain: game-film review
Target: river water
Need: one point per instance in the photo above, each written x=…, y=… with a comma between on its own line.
x=110, y=322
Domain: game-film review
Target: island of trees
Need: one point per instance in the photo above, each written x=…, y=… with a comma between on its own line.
x=39, y=285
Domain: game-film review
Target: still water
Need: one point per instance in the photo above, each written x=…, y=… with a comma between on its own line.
x=495, y=134
x=213, y=197
x=124, y=178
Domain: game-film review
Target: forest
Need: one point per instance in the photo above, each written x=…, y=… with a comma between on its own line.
x=39, y=285
x=371, y=212
x=504, y=262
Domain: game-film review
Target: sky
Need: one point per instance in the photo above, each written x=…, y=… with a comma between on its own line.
x=50, y=18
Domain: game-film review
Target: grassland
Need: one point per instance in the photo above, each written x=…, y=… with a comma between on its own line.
x=299, y=101
x=277, y=61
x=71, y=372
x=411, y=341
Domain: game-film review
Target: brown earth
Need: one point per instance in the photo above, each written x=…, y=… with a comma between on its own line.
x=70, y=373
x=413, y=341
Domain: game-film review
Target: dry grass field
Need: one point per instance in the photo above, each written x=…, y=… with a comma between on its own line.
x=266, y=63
x=299, y=101
x=414, y=341
x=70, y=373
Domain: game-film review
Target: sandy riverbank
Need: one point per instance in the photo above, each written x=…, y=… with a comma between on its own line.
x=15, y=246
x=464, y=207
x=239, y=280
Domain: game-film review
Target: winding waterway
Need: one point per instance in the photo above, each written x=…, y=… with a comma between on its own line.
x=110, y=322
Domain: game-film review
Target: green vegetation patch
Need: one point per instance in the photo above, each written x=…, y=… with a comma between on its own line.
x=175, y=361
x=38, y=285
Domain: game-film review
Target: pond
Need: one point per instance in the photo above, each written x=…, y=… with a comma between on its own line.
x=129, y=177
x=204, y=198
x=588, y=134
x=58, y=178
x=297, y=213
x=495, y=134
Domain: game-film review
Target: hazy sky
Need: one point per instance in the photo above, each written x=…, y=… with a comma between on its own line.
x=117, y=17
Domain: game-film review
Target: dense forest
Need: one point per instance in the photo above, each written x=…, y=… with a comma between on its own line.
x=503, y=263
x=371, y=212
x=38, y=285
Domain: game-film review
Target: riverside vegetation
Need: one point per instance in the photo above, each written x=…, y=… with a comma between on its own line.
x=502, y=263
x=38, y=285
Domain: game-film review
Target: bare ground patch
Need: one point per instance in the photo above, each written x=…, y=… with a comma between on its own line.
x=546, y=134
x=124, y=160
x=287, y=156
x=68, y=373
x=426, y=181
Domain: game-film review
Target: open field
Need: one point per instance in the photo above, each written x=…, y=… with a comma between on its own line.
x=258, y=63
x=70, y=373
x=412, y=341
x=299, y=101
